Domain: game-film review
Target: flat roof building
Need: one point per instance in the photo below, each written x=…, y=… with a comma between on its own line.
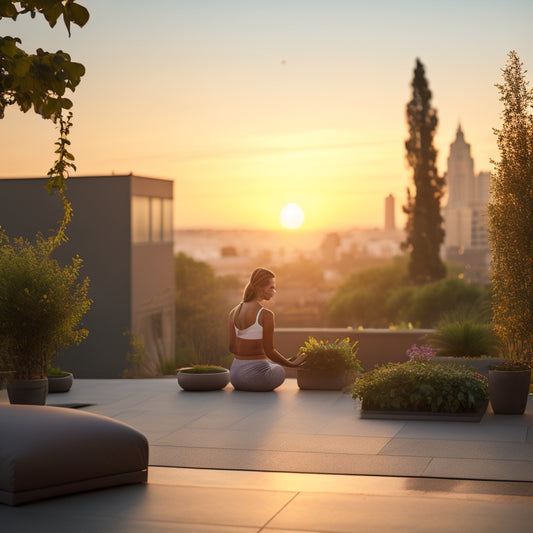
x=122, y=229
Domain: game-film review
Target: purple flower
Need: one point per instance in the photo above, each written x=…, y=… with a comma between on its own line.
x=424, y=352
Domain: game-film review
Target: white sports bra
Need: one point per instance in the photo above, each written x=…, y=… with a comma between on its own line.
x=253, y=332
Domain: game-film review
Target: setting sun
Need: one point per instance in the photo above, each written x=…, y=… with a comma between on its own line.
x=291, y=216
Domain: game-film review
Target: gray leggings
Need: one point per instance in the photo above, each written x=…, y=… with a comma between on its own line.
x=257, y=375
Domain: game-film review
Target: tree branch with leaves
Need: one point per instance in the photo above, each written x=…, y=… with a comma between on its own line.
x=41, y=80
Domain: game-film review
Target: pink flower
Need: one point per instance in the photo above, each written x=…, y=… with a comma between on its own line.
x=424, y=352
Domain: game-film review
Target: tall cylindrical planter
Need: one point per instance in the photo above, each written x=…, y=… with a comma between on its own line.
x=27, y=392
x=508, y=391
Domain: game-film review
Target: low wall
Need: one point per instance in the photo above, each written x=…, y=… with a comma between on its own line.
x=376, y=346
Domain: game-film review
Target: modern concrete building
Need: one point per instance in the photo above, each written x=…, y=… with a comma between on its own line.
x=465, y=214
x=122, y=229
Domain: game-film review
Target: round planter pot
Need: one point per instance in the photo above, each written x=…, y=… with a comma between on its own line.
x=320, y=380
x=60, y=383
x=202, y=382
x=481, y=364
x=508, y=391
x=27, y=392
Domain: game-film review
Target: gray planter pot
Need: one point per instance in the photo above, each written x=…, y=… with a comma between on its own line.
x=202, y=382
x=481, y=364
x=60, y=383
x=320, y=380
x=508, y=391
x=27, y=392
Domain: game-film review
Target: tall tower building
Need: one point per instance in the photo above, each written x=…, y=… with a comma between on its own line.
x=390, y=223
x=465, y=215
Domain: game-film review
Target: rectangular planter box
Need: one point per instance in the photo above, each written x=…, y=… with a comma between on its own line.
x=474, y=416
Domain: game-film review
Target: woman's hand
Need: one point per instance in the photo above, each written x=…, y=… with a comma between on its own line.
x=298, y=361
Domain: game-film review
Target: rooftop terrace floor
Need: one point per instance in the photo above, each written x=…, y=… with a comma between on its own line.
x=295, y=461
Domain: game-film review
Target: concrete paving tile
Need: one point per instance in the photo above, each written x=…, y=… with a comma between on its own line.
x=357, y=427
x=346, y=513
x=480, y=469
x=271, y=461
x=114, y=524
x=273, y=441
x=159, y=504
x=462, y=431
x=337, y=484
x=459, y=449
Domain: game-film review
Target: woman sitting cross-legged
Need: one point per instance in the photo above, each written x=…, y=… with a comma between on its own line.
x=257, y=365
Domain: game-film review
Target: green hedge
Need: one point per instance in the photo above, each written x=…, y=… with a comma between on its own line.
x=421, y=387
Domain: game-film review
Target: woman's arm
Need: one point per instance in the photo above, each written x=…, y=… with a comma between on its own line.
x=268, y=342
x=232, y=339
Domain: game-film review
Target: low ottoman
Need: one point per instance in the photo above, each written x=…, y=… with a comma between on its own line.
x=50, y=451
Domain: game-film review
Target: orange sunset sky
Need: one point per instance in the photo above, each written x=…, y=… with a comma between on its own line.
x=249, y=105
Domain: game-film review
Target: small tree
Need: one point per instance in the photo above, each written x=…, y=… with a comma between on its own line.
x=424, y=231
x=511, y=214
x=40, y=81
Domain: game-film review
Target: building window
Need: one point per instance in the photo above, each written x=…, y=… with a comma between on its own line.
x=167, y=220
x=151, y=219
x=140, y=219
x=156, y=213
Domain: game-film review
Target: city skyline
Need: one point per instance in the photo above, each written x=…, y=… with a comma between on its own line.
x=249, y=107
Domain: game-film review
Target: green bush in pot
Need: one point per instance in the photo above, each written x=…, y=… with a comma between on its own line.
x=330, y=356
x=329, y=365
x=41, y=305
x=420, y=386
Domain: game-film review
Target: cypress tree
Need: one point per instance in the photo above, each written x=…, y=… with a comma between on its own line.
x=511, y=214
x=424, y=231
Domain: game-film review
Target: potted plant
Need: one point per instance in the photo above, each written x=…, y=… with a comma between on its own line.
x=510, y=224
x=509, y=384
x=59, y=380
x=203, y=377
x=41, y=306
x=328, y=365
x=422, y=390
x=466, y=342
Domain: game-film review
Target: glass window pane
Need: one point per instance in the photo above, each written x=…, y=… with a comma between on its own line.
x=156, y=216
x=167, y=220
x=140, y=219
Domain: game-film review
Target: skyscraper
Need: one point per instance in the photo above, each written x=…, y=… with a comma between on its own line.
x=465, y=214
x=390, y=223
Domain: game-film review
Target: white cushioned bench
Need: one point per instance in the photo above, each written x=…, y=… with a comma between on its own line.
x=50, y=451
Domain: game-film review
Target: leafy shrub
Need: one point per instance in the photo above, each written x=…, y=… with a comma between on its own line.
x=465, y=339
x=326, y=356
x=360, y=299
x=202, y=309
x=420, y=386
x=379, y=296
x=41, y=305
x=427, y=304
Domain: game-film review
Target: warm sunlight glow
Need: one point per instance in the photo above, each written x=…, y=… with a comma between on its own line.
x=291, y=216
